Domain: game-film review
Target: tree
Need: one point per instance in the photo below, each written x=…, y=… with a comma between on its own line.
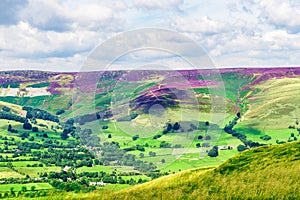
x=142, y=155
x=176, y=126
x=59, y=112
x=27, y=126
x=169, y=127
x=109, y=136
x=5, y=109
x=140, y=147
x=135, y=137
x=9, y=128
x=97, y=162
x=213, y=152
x=104, y=127
x=292, y=135
x=241, y=148
x=207, y=123
x=200, y=137
x=5, y=195
x=152, y=154
x=24, y=189
x=32, y=188
x=198, y=145
x=64, y=134
x=12, y=192
x=35, y=129
x=238, y=115
x=163, y=160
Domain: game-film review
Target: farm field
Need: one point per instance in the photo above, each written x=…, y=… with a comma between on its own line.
x=95, y=141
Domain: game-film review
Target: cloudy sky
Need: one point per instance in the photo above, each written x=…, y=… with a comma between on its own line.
x=59, y=35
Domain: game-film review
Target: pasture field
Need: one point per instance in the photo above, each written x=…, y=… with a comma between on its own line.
x=6, y=172
x=18, y=187
x=108, y=169
x=35, y=172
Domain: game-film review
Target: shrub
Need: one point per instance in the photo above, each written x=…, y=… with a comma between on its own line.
x=35, y=129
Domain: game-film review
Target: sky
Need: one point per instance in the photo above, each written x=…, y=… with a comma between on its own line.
x=58, y=35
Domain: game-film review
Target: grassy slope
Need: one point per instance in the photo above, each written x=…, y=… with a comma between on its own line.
x=276, y=103
x=270, y=172
x=273, y=107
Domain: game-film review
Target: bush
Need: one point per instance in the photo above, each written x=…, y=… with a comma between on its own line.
x=213, y=152
x=104, y=127
x=241, y=148
x=266, y=137
x=5, y=109
x=27, y=126
x=35, y=129
x=135, y=137
x=60, y=112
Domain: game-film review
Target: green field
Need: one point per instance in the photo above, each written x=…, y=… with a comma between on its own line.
x=18, y=187
x=6, y=172
x=34, y=172
x=237, y=178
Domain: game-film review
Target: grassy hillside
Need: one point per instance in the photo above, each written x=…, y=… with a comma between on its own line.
x=270, y=172
x=273, y=110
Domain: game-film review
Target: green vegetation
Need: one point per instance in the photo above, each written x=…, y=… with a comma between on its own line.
x=51, y=144
x=275, y=166
x=39, y=85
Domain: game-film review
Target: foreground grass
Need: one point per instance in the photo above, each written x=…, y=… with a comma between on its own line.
x=271, y=172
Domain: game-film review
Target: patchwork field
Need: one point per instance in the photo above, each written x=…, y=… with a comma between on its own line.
x=68, y=132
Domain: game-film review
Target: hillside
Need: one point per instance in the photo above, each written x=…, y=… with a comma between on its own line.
x=124, y=128
x=270, y=172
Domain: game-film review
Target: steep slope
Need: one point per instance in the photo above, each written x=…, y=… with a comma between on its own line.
x=270, y=172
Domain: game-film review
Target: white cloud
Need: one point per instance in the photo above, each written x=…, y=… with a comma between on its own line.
x=233, y=32
x=281, y=13
x=203, y=24
x=27, y=41
x=170, y=4
x=59, y=16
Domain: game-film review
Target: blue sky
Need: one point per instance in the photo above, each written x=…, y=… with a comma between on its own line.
x=59, y=35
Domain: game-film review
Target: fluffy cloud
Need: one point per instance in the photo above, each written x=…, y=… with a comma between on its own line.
x=57, y=16
x=36, y=33
x=203, y=25
x=171, y=4
x=26, y=41
x=281, y=13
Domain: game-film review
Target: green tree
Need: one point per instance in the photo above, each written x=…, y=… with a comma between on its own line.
x=12, y=192
x=176, y=126
x=9, y=128
x=35, y=129
x=27, y=126
x=23, y=189
x=32, y=188
x=241, y=148
x=135, y=137
x=64, y=134
x=213, y=152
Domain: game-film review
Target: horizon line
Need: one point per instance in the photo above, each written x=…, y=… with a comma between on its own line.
x=175, y=69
